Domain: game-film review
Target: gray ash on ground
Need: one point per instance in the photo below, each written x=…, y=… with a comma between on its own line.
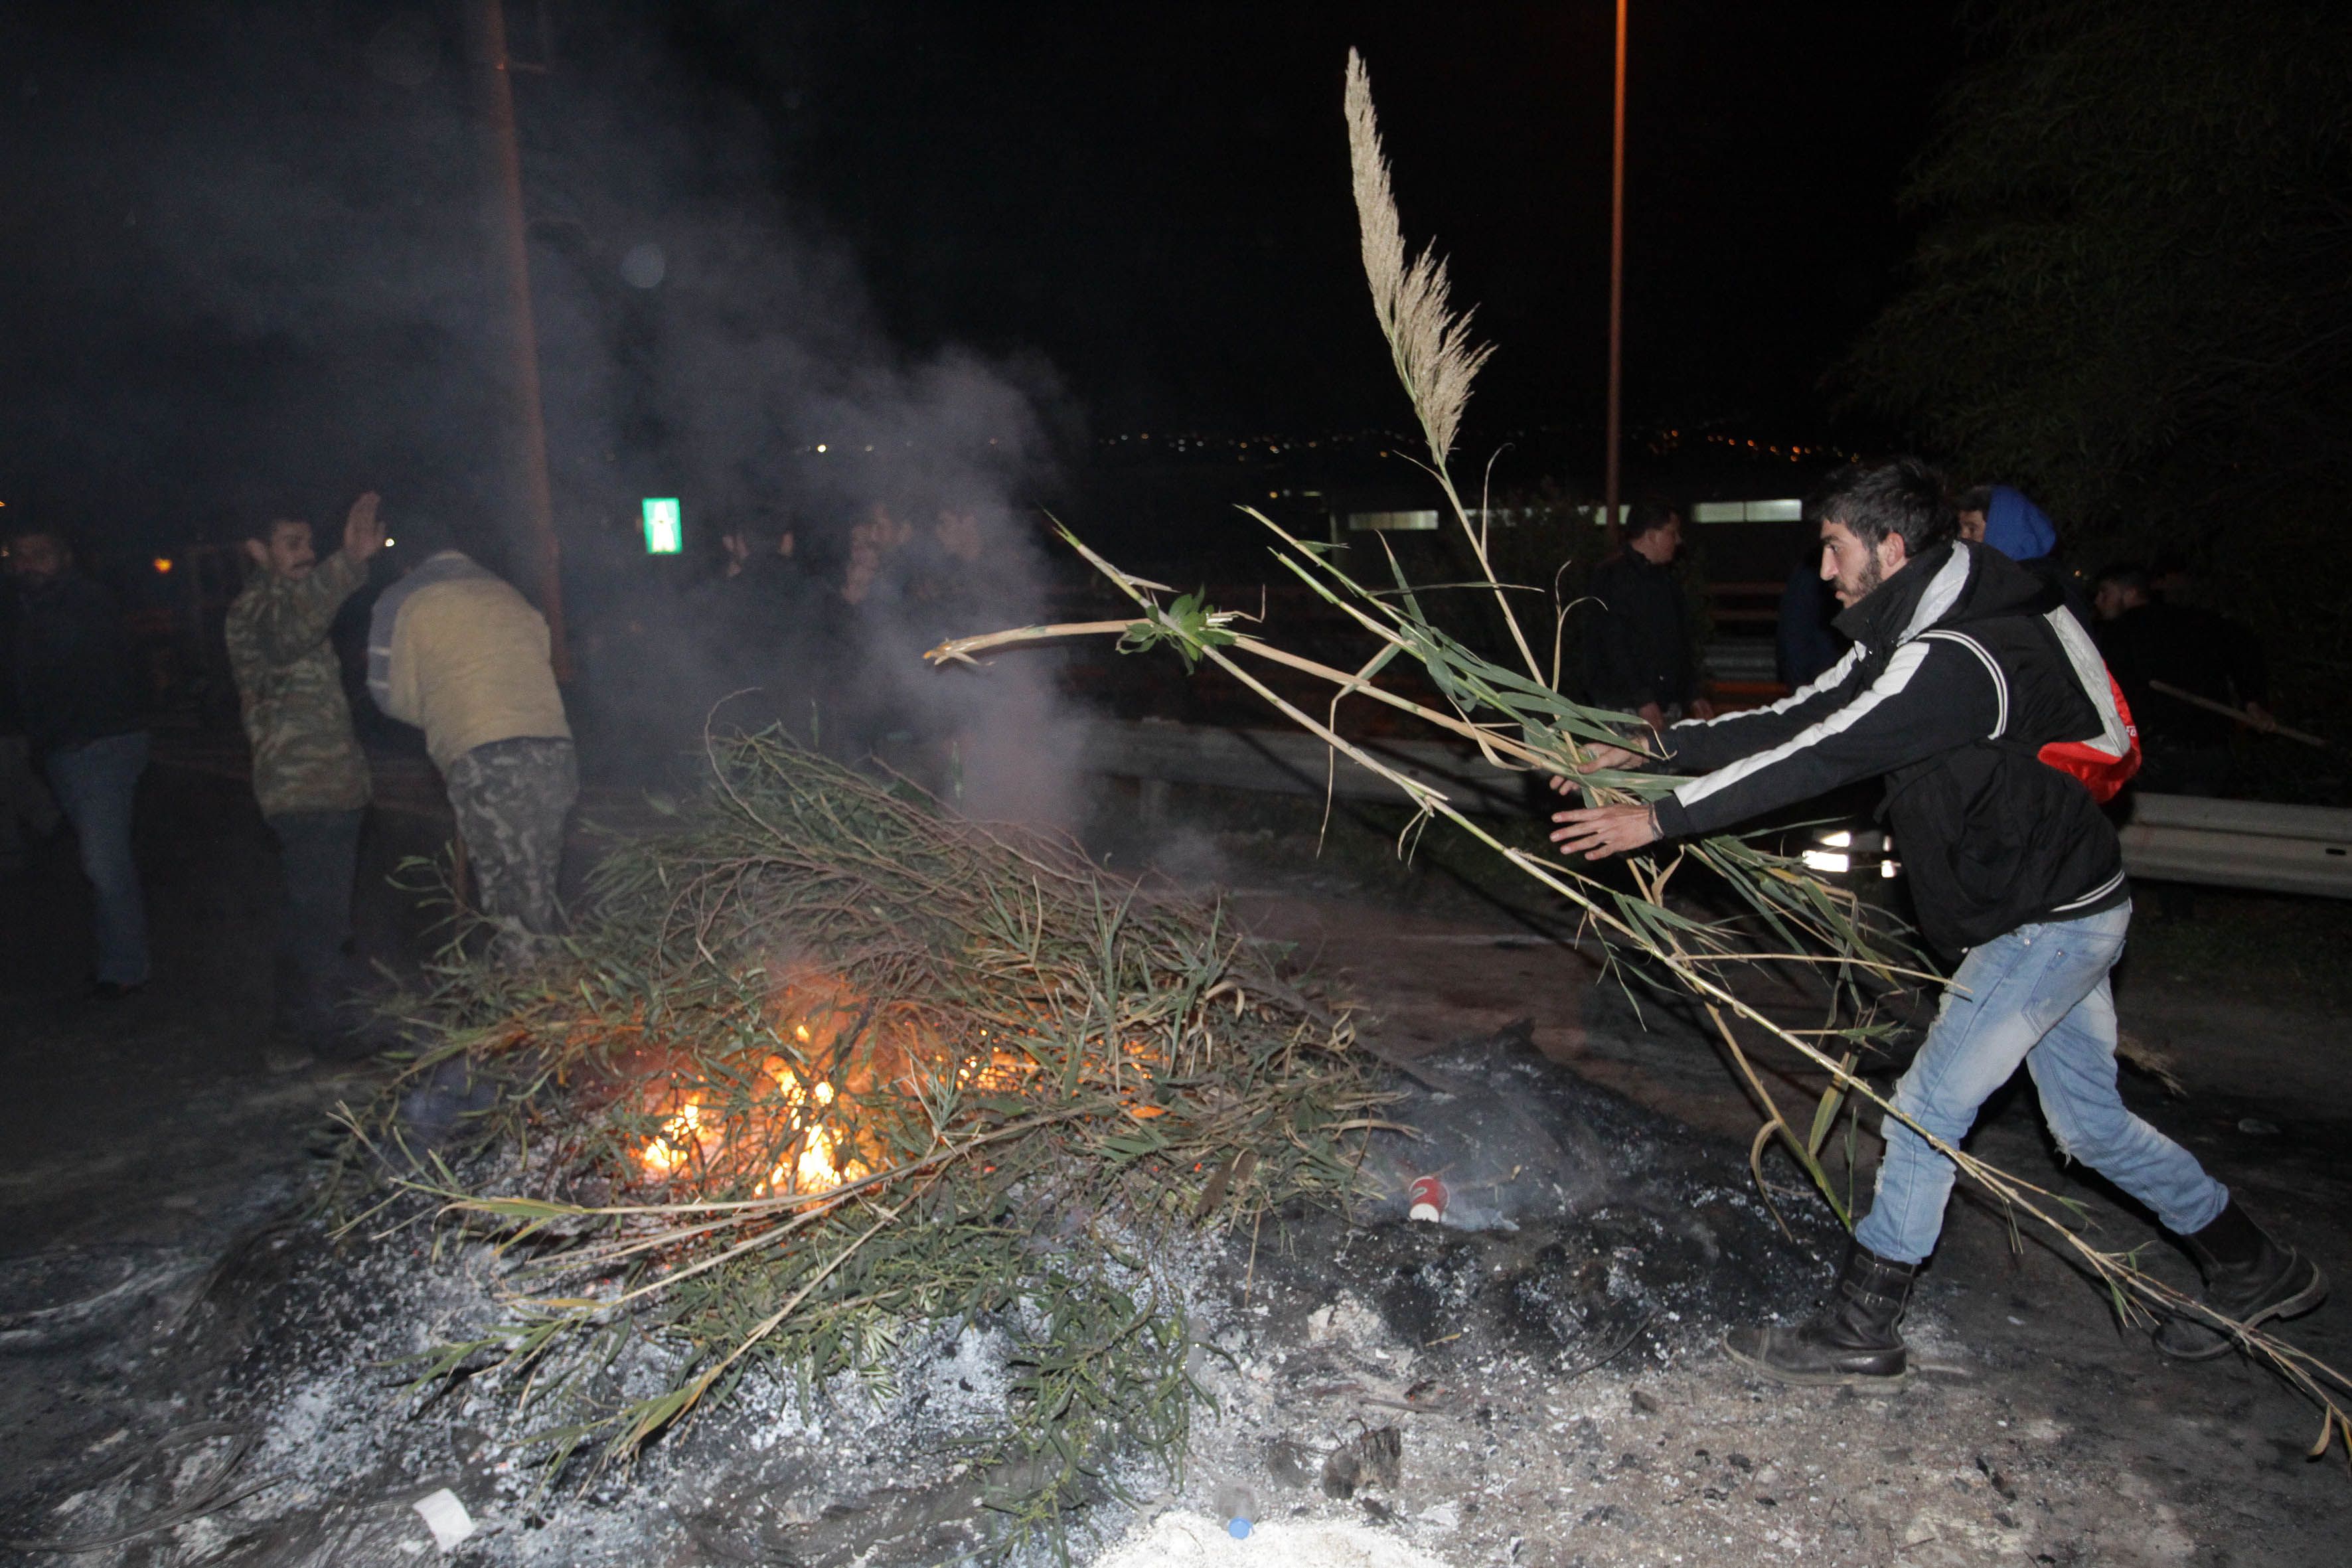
x=310, y=1343
x=1613, y=1234
x=1545, y=1390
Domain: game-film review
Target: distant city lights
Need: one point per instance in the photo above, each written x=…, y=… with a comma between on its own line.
x=1258, y=447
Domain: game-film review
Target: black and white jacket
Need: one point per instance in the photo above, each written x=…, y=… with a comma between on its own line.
x=1963, y=667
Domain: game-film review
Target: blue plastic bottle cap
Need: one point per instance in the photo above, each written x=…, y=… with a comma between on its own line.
x=1238, y=1528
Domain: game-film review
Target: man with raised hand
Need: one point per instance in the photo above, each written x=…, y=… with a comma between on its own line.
x=309, y=774
x=1964, y=666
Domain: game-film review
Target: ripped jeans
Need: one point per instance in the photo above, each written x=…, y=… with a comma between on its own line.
x=2038, y=994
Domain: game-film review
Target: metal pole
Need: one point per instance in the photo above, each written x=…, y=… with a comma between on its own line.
x=1616, y=289
x=502, y=221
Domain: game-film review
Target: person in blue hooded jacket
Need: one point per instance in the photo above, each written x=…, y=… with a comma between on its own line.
x=2002, y=517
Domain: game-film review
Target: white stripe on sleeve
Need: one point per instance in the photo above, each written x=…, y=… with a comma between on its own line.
x=1826, y=680
x=1890, y=683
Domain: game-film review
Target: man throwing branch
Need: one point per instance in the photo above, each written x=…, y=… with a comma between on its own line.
x=309, y=772
x=1964, y=666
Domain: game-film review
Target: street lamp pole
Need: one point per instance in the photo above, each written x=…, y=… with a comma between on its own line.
x=525, y=447
x=1616, y=289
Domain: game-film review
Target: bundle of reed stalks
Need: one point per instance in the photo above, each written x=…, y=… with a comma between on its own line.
x=825, y=1066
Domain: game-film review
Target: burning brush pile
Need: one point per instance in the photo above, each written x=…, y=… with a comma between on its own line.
x=826, y=1071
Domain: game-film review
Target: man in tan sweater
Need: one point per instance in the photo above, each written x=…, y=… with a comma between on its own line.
x=455, y=650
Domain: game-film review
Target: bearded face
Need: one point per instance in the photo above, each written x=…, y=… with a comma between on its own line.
x=1855, y=570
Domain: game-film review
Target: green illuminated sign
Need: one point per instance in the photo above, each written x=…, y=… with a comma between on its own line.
x=664, y=530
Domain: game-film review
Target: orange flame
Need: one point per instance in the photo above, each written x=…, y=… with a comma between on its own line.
x=822, y=1158
x=725, y=1135
x=678, y=1134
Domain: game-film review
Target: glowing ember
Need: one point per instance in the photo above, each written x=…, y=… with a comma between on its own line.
x=680, y=1132
x=727, y=1134
x=793, y=1124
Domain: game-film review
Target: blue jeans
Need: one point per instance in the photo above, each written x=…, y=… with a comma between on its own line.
x=2038, y=996
x=96, y=784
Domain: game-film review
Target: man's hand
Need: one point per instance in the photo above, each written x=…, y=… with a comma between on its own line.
x=1599, y=831
x=2261, y=718
x=1652, y=715
x=1701, y=708
x=1600, y=757
x=362, y=530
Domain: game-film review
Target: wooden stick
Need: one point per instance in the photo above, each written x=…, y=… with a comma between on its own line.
x=2240, y=714
x=964, y=647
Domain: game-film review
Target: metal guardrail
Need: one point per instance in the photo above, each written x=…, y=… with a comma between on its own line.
x=2240, y=843
x=2170, y=837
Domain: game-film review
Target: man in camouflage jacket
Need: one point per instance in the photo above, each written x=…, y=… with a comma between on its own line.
x=309, y=772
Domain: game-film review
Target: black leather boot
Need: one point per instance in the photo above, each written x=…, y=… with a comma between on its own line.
x=2248, y=1276
x=1853, y=1340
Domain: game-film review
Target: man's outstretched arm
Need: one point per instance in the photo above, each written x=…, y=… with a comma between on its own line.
x=1933, y=696
x=1703, y=745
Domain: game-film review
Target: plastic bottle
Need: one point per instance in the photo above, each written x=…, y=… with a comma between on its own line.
x=1237, y=1506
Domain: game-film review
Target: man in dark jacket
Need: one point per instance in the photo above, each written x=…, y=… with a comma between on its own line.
x=1964, y=666
x=78, y=697
x=1804, y=642
x=24, y=800
x=1637, y=641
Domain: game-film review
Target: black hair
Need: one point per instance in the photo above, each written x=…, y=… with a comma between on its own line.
x=1648, y=517
x=264, y=526
x=1902, y=496
x=1976, y=498
x=2124, y=575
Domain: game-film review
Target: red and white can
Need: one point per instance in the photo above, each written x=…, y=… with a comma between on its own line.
x=1427, y=1197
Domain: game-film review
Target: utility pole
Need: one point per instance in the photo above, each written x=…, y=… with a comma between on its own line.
x=524, y=446
x=1616, y=291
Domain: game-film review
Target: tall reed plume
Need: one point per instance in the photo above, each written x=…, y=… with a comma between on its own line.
x=1434, y=357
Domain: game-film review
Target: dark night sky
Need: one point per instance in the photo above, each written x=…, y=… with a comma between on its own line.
x=235, y=261
x=1158, y=197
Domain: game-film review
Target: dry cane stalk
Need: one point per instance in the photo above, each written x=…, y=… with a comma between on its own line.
x=2132, y=1289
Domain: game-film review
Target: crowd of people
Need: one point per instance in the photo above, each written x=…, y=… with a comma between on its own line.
x=824, y=632
x=455, y=651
